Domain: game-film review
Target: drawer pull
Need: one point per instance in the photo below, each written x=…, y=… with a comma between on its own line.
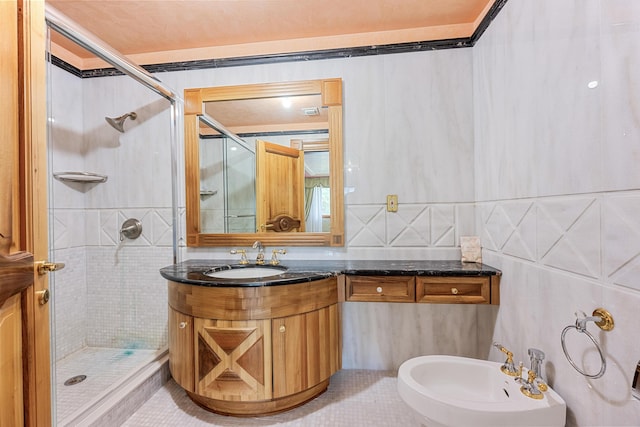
x=454, y=291
x=182, y=325
x=282, y=328
x=379, y=289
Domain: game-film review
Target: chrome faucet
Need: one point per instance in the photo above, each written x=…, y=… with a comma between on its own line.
x=534, y=385
x=260, y=257
x=536, y=356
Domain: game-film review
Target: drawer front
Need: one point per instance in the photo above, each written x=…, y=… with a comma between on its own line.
x=453, y=290
x=381, y=288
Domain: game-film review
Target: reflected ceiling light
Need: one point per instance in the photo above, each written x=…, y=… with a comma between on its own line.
x=287, y=102
x=592, y=84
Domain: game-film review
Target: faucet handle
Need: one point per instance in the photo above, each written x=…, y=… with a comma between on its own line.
x=504, y=350
x=274, y=256
x=508, y=367
x=243, y=258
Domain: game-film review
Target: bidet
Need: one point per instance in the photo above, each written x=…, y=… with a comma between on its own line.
x=459, y=391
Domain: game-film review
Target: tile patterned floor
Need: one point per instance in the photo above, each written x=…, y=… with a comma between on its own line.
x=104, y=367
x=355, y=398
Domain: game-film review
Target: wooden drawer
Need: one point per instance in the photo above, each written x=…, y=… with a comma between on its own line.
x=381, y=288
x=453, y=290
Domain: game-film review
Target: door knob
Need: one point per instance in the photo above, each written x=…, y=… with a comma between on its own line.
x=43, y=296
x=45, y=266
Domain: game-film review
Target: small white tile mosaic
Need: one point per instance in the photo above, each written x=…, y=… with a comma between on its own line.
x=354, y=398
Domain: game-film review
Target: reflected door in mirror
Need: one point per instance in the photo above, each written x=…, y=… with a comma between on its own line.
x=279, y=188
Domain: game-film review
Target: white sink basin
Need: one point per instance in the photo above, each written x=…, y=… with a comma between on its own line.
x=458, y=391
x=242, y=272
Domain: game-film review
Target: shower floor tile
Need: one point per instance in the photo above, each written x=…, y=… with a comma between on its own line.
x=354, y=398
x=104, y=367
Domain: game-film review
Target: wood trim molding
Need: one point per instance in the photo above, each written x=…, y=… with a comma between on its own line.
x=33, y=206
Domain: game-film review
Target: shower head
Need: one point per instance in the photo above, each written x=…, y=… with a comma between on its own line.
x=118, y=122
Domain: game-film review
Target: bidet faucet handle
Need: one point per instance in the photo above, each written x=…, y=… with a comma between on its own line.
x=508, y=367
x=503, y=349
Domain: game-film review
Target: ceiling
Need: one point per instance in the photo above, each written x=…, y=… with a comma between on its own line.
x=164, y=31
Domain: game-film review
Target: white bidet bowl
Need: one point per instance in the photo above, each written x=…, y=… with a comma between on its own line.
x=459, y=391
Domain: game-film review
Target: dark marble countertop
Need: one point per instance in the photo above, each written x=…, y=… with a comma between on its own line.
x=300, y=271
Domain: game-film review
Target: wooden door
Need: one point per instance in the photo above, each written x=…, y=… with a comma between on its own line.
x=25, y=391
x=279, y=188
x=233, y=359
x=306, y=350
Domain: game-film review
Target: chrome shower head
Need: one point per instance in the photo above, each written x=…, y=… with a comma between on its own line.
x=118, y=122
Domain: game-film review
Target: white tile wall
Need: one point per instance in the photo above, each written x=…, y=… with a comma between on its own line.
x=557, y=189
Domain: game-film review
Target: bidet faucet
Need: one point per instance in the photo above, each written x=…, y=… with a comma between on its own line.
x=536, y=356
x=260, y=257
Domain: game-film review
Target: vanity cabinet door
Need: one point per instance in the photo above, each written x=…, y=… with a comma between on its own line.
x=181, y=348
x=453, y=290
x=233, y=359
x=306, y=350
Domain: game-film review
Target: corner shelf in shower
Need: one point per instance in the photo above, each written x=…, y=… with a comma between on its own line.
x=208, y=193
x=84, y=177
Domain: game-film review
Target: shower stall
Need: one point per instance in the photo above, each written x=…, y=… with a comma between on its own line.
x=112, y=215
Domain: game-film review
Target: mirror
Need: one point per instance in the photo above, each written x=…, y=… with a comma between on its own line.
x=264, y=162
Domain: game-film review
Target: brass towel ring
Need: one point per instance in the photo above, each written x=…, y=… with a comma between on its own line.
x=604, y=320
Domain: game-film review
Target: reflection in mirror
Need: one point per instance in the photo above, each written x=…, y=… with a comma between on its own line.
x=227, y=184
x=267, y=164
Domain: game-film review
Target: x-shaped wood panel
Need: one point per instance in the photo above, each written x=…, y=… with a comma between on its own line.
x=231, y=359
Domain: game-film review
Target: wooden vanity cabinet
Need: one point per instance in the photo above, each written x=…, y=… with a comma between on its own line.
x=237, y=365
x=424, y=289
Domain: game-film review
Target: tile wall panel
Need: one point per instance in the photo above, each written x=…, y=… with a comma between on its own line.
x=557, y=188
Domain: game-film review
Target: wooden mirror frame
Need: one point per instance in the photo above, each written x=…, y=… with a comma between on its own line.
x=194, y=99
